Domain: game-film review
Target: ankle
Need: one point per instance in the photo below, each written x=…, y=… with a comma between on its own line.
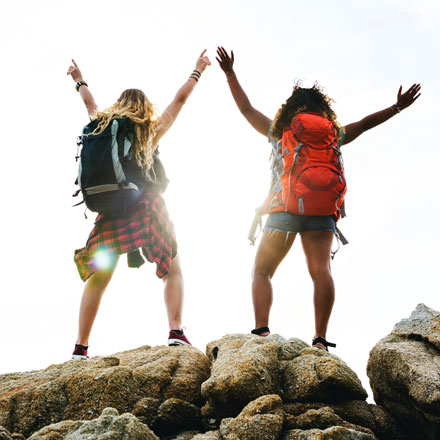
x=179, y=332
x=82, y=343
x=261, y=331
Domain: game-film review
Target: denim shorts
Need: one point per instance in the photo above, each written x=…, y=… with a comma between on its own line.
x=288, y=222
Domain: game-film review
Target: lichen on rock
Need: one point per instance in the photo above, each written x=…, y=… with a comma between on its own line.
x=108, y=426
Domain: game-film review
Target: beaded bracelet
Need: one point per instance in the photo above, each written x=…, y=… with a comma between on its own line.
x=79, y=84
x=397, y=108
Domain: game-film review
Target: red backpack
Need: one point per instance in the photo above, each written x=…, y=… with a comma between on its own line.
x=310, y=180
x=313, y=181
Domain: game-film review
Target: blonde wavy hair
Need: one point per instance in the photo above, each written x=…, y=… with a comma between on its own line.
x=134, y=104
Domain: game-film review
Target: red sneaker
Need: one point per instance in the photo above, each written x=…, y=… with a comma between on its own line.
x=177, y=337
x=80, y=352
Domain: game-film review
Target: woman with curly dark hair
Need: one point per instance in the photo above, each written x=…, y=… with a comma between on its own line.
x=307, y=188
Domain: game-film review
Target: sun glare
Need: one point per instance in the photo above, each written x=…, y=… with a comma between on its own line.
x=103, y=260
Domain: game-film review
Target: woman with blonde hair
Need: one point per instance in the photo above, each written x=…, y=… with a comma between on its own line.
x=307, y=172
x=146, y=226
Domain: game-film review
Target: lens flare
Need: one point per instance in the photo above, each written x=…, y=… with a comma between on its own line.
x=104, y=260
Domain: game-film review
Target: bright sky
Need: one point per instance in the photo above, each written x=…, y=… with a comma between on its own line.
x=218, y=165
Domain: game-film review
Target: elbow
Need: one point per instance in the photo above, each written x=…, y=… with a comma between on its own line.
x=181, y=99
x=91, y=108
x=245, y=110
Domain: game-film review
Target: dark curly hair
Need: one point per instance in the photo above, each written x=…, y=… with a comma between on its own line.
x=302, y=100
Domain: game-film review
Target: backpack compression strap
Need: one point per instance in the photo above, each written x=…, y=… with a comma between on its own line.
x=258, y=221
x=340, y=239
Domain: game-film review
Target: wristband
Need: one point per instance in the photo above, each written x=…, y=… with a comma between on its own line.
x=195, y=75
x=79, y=84
x=397, y=108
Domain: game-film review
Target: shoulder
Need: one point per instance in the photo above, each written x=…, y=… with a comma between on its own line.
x=270, y=137
x=341, y=135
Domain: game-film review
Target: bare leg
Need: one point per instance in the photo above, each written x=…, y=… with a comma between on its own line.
x=317, y=248
x=273, y=248
x=173, y=294
x=93, y=291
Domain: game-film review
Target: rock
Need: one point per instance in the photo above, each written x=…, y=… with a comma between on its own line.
x=323, y=418
x=108, y=426
x=244, y=368
x=352, y=412
x=57, y=431
x=146, y=410
x=176, y=415
x=316, y=375
x=291, y=349
x=258, y=388
x=261, y=419
x=80, y=390
x=334, y=433
x=5, y=434
x=187, y=435
x=210, y=435
x=385, y=427
x=404, y=377
x=424, y=324
x=210, y=420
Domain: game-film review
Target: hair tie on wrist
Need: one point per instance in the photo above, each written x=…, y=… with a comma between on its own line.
x=195, y=75
x=79, y=84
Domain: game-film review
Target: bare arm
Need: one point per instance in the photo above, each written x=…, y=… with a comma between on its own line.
x=172, y=111
x=352, y=131
x=260, y=122
x=83, y=90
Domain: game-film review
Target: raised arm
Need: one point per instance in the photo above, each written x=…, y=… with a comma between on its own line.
x=82, y=88
x=172, y=111
x=352, y=131
x=260, y=122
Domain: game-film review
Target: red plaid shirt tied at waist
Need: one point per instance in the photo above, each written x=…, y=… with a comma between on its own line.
x=148, y=229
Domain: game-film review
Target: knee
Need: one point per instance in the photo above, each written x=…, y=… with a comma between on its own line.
x=175, y=272
x=262, y=271
x=101, y=278
x=320, y=273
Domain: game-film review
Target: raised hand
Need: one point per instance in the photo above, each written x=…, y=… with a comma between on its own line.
x=202, y=62
x=74, y=72
x=226, y=62
x=406, y=99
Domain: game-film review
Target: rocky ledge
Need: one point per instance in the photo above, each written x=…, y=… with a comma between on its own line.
x=245, y=387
